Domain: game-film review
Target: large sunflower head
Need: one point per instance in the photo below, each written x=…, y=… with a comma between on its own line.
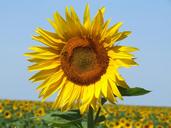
x=80, y=61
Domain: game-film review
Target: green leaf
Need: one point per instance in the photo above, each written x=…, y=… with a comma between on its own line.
x=100, y=119
x=69, y=119
x=136, y=91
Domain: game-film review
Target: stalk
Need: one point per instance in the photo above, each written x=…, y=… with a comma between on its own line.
x=90, y=121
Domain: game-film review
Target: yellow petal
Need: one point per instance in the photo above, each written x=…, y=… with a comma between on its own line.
x=64, y=94
x=67, y=15
x=88, y=95
x=86, y=19
x=51, y=37
x=114, y=29
x=94, y=103
x=42, y=49
x=84, y=108
x=42, y=55
x=97, y=25
x=54, y=78
x=74, y=15
x=123, y=35
x=114, y=75
x=54, y=88
x=117, y=63
x=44, y=65
x=58, y=98
x=35, y=60
x=119, y=55
x=45, y=41
x=111, y=40
x=42, y=75
x=47, y=91
x=104, y=30
x=125, y=63
x=98, y=87
x=102, y=10
x=57, y=29
x=122, y=83
x=120, y=80
x=114, y=88
x=110, y=95
x=103, y=82
x=110, y=72
x=61, y=26
x=75, y=95
x=124, y=49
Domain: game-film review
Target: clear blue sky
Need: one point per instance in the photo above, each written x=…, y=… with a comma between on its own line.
x=149, y=20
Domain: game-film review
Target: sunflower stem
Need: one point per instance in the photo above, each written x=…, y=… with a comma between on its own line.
x=90, y=121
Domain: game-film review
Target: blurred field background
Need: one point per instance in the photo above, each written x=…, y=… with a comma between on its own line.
x=28, y=114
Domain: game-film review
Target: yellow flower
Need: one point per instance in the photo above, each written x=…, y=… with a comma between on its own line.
x=39, y=112
x=7, y=102
x=15, y=107
x=122, y=120
x=138, y=124
x=7, y=114
x=80, y=61
x=117, y=124
x=1, y=108
x=159, y=126
x=111, y=125
x=19, y=114
x=146, y=125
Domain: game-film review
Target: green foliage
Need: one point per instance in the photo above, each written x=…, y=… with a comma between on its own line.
x=69, y=119
x=136, y=91
x=100, y=119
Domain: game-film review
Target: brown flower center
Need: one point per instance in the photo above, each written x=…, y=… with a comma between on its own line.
x=84, y=61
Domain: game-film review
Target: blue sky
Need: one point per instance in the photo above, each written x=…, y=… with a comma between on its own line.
x=149, y=21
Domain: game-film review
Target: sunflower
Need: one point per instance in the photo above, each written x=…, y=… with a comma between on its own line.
x=40, y=112
x=15, y=106
x=7, y=114
x=1, y=108
x=19, y=114
x=80, y=61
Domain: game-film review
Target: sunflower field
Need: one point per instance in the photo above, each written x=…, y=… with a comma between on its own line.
x=33, y=114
